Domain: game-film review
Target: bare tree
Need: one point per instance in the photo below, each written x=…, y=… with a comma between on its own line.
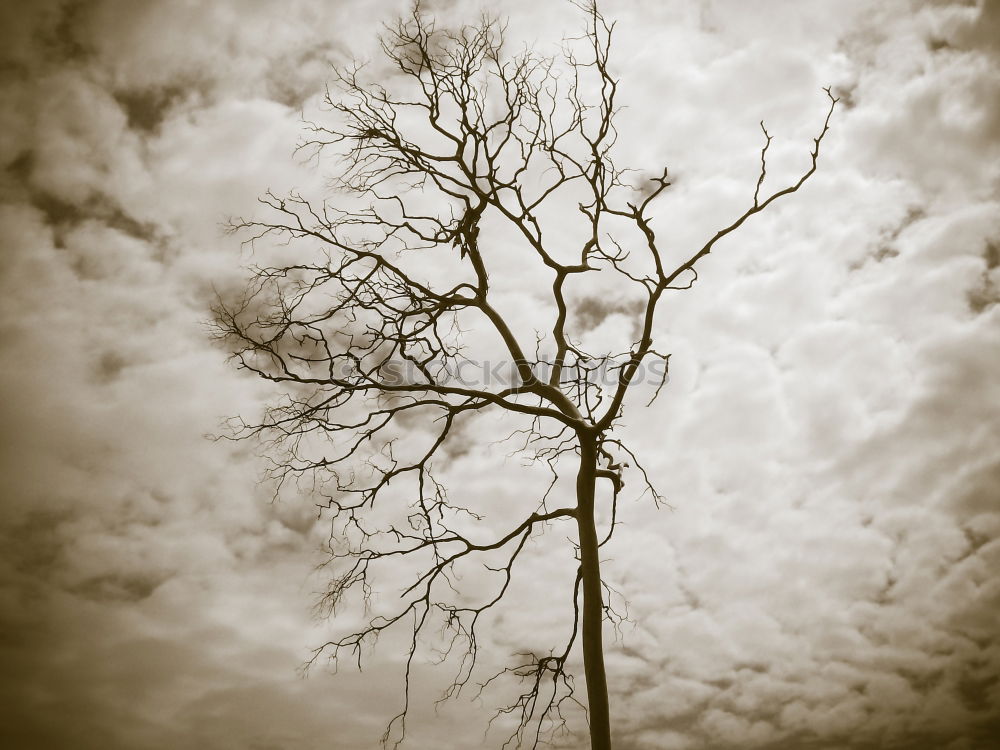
x=463, y=155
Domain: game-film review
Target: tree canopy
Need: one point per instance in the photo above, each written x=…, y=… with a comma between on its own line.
x=465, y=167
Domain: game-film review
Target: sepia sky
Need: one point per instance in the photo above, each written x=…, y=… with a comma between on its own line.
x=828, y=573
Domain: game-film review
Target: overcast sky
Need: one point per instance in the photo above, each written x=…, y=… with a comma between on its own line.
x=829, y=442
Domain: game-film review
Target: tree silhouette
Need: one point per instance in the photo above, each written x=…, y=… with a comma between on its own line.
x=463, y=155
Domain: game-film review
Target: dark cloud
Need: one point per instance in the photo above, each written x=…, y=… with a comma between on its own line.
x=983, y=31
x=147, y=108
x=888, y=246
x=590, y=312
x=986, y=292
x=61, y=38
x=984, y=295
x=63, y=215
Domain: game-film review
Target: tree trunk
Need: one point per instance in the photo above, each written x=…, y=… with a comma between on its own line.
x=593, y=609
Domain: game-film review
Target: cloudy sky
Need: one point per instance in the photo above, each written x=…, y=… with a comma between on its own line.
x=827, y=574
